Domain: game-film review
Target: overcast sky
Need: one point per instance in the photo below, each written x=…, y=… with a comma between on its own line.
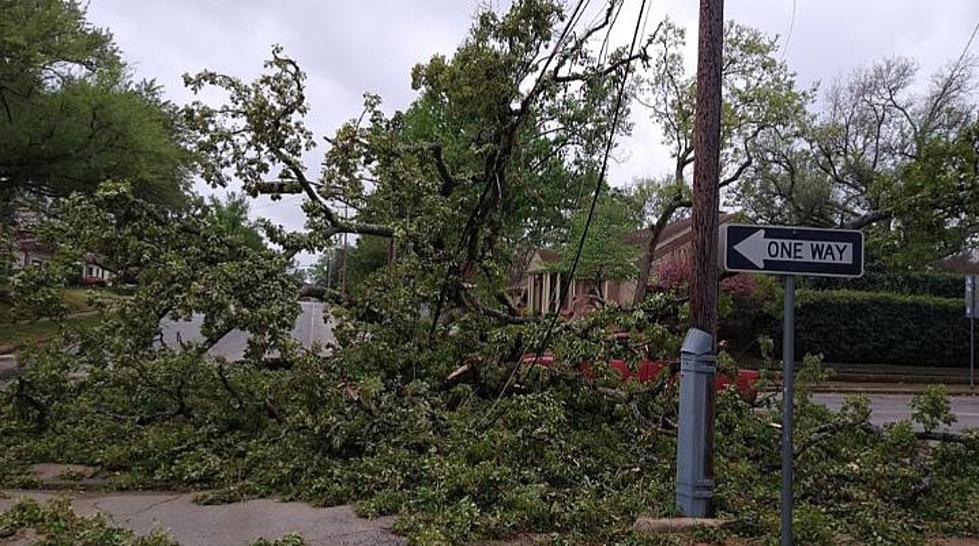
x=348, y=47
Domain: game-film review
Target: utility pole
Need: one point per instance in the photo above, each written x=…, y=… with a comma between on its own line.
x=695, y=445
x=706, y=167
x=342, y=281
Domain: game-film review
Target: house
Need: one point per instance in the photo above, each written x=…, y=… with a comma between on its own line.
x=965, y=262
x=535, y=285
x=30, y=251
x=93, y=272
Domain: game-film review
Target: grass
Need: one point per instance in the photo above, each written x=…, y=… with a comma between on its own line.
x=17, y=336
x=75, y=298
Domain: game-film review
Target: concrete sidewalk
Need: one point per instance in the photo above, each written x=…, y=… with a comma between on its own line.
x=237, y=524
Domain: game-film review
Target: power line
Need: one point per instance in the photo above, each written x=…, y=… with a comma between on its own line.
x=788, y=36
x=591, y=210
x=965, y=50
x=608, y=34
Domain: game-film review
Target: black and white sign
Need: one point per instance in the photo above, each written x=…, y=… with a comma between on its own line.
x=792, y=250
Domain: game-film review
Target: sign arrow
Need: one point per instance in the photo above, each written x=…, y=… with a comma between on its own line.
x=753, y=248
x=757, y=248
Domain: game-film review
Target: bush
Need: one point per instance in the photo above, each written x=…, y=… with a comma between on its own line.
x=864, y=327
x=941, y=285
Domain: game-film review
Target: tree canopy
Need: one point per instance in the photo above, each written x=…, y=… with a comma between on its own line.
x=879, y=156
x=760, y=98
x=605, y=252
x=503, y=129
x=73, y=116
x=230, y=218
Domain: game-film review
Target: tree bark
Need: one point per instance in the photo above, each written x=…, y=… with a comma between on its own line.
x=646, y=260
x=706, y=171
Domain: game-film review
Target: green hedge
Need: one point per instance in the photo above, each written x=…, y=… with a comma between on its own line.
x=942, y=285
x=866, y=327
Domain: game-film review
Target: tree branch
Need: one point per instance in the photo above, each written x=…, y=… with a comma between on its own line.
x=869, y=218
x=449, y=182
x=473, y=302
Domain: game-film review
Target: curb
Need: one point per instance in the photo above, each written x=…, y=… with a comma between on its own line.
x=914, y=388
x=880, y=390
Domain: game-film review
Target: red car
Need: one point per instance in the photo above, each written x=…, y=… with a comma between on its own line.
x=649, y=370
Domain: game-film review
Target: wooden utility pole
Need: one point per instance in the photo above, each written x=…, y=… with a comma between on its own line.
x=706, y=167
x=706, y=197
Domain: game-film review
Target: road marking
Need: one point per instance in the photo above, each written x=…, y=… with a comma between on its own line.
x=312, y=317
x=757, y=248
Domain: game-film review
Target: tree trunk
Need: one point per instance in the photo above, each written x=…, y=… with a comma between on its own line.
x=646, y=260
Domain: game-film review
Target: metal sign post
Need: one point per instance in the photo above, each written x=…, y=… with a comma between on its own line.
x=694, y=486
x=971, y=309
x=790, y=251
x=788, y=405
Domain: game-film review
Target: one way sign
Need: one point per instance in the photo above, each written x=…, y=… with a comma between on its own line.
x=792, y=250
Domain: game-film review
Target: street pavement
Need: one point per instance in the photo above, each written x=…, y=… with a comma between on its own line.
x=8, y=366
x=236, y=524
x=312, y=327
x=888, y=408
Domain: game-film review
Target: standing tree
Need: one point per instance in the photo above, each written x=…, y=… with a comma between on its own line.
x=605, y=253
x=325, y=271
x=230, y=218
x=71, y=116
x=760, y=98
x=881, y=157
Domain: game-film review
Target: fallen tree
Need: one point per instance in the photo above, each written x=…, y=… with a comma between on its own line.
x=423, y=408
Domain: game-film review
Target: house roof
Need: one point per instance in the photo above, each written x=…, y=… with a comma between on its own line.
x=966, y=262
x=91, y=258
x=674, y=236
x=26, y=241
x=549, y=256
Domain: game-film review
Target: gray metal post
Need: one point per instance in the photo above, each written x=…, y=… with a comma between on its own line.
x=788, y=406
x=694, y=488
x=971, y=307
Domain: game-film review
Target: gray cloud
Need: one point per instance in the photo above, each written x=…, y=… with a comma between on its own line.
x=348, y=47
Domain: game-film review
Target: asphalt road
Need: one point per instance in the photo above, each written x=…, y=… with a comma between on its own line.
x=311, y=328
x=888, y=408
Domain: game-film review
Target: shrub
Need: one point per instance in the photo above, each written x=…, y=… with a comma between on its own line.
x=741, y=305
x=857, y=327
x=942, y=285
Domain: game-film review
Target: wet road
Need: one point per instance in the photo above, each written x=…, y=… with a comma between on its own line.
x=311, y=328
x=888, y=408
